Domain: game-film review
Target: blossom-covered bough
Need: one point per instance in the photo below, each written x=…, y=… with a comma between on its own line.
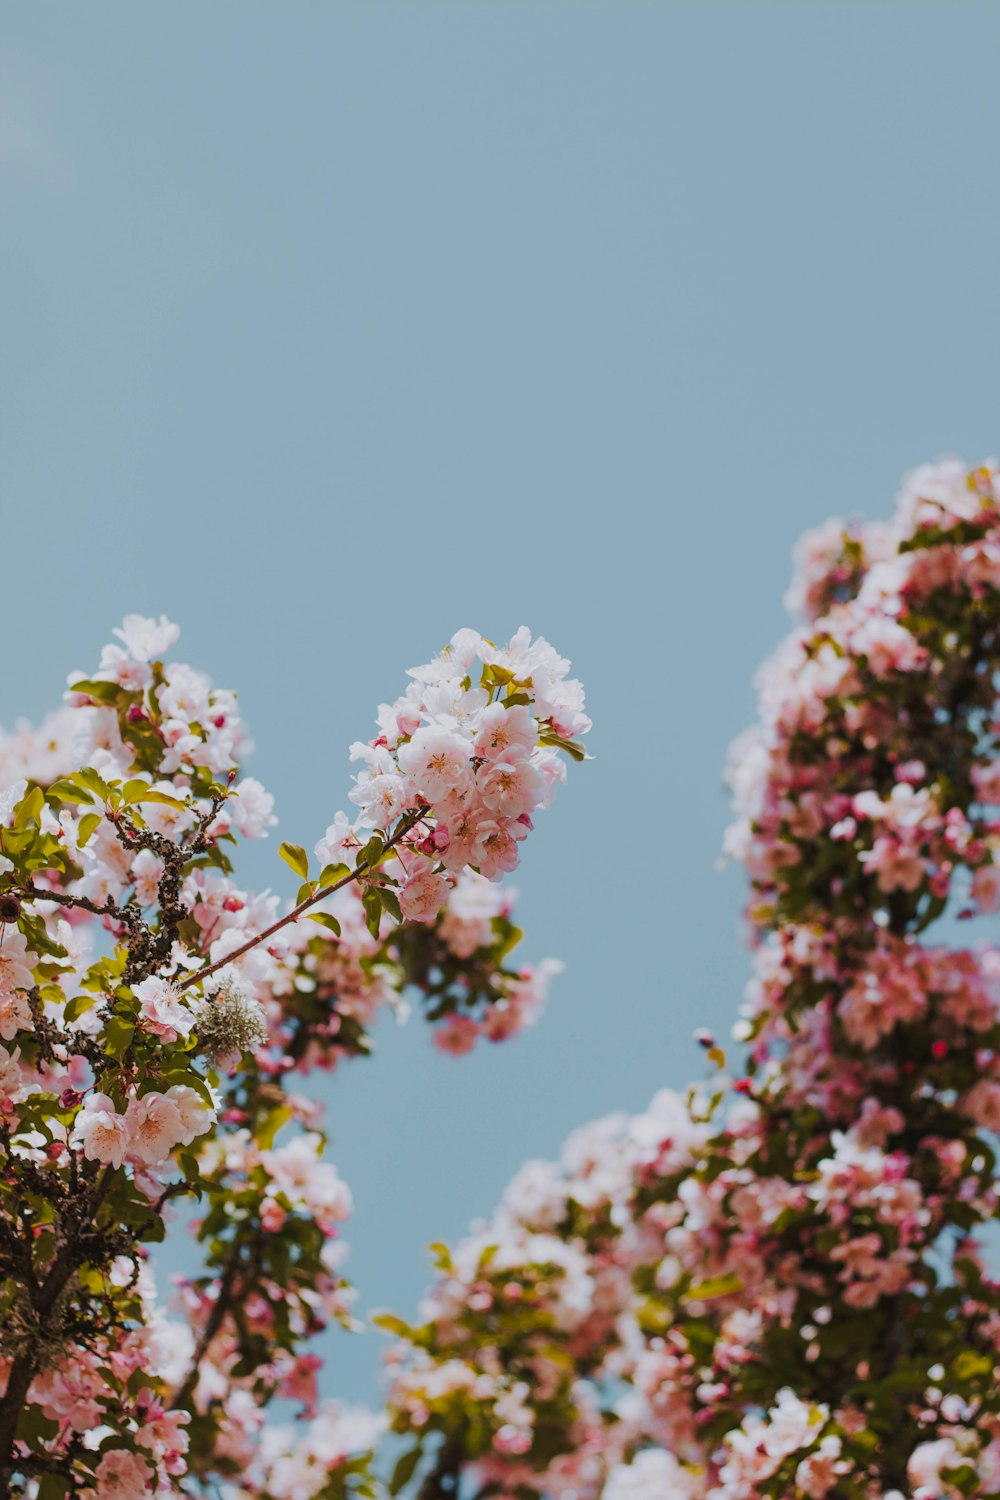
x=154, y=1016
x=776, y=1284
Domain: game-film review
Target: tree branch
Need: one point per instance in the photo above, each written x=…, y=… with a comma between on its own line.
x=327, y=890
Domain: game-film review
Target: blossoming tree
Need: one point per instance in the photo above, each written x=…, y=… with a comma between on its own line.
x=154, y=1017
x=774, y=1284
x=770, y=1286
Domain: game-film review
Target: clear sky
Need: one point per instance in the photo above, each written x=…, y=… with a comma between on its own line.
x=329, y=328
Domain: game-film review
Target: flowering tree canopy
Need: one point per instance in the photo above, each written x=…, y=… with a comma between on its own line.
x=154, y=1015
x=772, y=1285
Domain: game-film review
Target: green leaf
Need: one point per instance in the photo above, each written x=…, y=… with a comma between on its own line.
x=65, y=791
x=164, y=797
x=715, y=1286
x=442, y=1256
x=272, y=1123
x=391, y=903
x=404, y=1470
x=572, y=747
x=296, y=859
x=120, y=1035
x=78, y=1005
x=29, y=809
x=103, y=692
x=391, y=1324
x=372, y=902
x=371, y=853
x=17, y=840
x=968, y=1365
x=332, y=874
x=86, y=827
x=325, y=920
x=133, y=791
x=89, y=778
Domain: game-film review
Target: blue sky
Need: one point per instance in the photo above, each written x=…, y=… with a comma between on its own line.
x=329, y=328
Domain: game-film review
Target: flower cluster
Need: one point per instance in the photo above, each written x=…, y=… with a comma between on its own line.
x=775, y=1285
x=477, y=754
x=154, y=1014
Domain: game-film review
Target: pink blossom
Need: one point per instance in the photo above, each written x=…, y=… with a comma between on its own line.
x=437, y=761
x=338, y=844
x=100, y=1131
x=252, y=808
x=10, y=1073
x=163, y=1012
x=15, y=974
x=982, y=1104
x=121, y=1475
x=498, y=847
x=422, y=896
x=194, y=1114
x=146, y=639
x=986, y=888
x=456, y=1034
x=896, y=867
x=15, y=1015
x=155, y=1127
x=510, y=787
x=504, y=731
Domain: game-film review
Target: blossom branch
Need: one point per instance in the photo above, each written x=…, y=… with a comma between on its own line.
x=408, y=823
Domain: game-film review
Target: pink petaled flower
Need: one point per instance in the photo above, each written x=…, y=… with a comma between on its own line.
x=423, y=896
x=467, y=832
x=511, y=1439
x=896, y=867
x=381, y=798
x=982, y=1104
x=298, y=1174
x=986, y=780
x=163, y=1435
x=154, y=1128
x=146, y=873
x=511, y=787
x=68, y=1392
x=100, y=1131
x=121, y=1476
x=927, y=1461
x=456, y=1035
x=653, y=1474
x=504, y=730
x=15, y=974
x=146, y=639
x=10, y=796
x=15, y=1016
x=272, y=1216
x=817, y=1474
x=162, y=1010
x=338, y=844
x=299, y=1383
x=986, y=888
x=252, y=809
x=10, y=1073
x=194, y=1114
x=437, y=762
x=499, y=854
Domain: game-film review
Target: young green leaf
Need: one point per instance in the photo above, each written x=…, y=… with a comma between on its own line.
x=296, y=859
